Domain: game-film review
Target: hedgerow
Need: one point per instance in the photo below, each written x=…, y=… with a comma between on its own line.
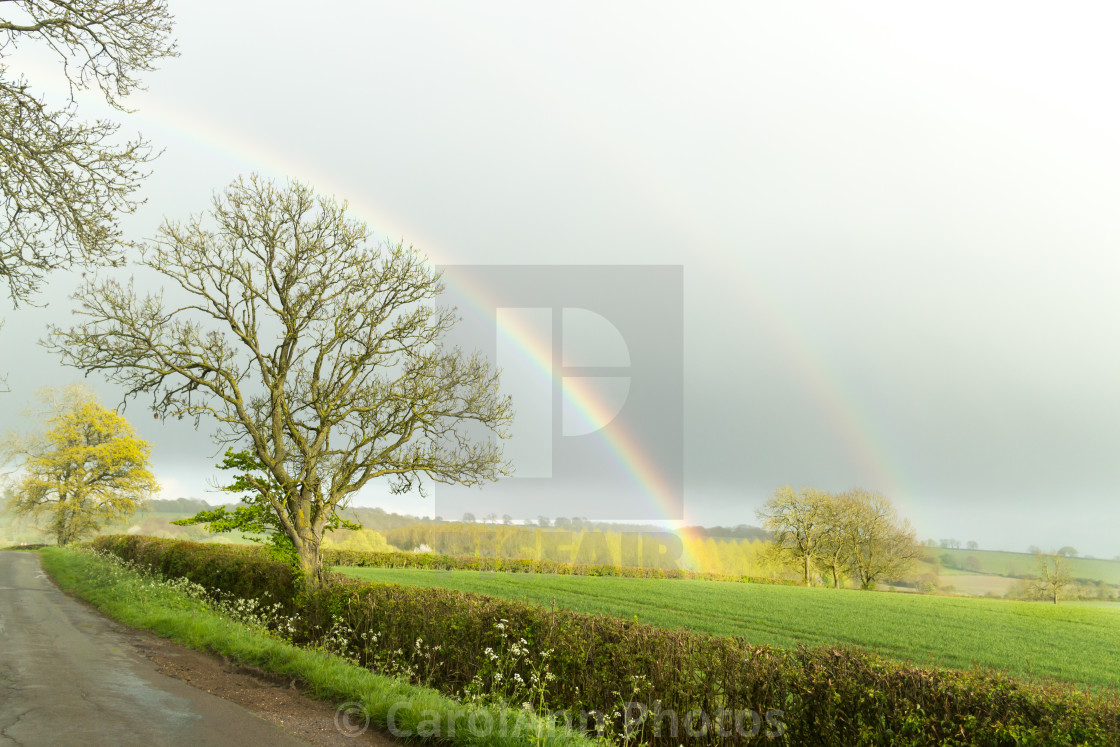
x=593, y=667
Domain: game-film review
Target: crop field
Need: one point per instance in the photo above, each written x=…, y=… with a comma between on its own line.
x=1077, y=643
x=974, y=584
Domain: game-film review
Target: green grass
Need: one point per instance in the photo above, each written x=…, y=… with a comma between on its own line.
x=1076, y=643
x=1002, y=563
x=143, y=602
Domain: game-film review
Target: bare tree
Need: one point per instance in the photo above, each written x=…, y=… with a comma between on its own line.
x=320, y=353
x=1053, y=577
x=65, y=181
x=798, y=523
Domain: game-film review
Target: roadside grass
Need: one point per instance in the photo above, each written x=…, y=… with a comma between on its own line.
x=1072, y=643
x=144, y=601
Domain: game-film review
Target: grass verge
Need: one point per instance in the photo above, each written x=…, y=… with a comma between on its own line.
x=420, y=714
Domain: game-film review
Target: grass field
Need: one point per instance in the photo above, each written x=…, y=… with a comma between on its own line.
x=1077, y=643
x=1017, y=563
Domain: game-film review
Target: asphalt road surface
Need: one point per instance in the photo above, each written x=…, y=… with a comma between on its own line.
x=69, y=676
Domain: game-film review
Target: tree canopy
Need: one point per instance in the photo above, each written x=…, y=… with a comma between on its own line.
x=64, y=181
x=254, y=517
x=855, y=533
x=87, y=468
x=314, y=349
x=797, y=521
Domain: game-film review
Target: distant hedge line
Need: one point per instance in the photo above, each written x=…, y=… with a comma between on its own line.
x=825, y=696
x=434, y=561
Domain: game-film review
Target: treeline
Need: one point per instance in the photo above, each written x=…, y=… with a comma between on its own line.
x=433, y=562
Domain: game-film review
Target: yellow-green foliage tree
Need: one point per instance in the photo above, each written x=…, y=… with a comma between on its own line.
x=798, y=521
x=884, y=545
x=857, y=533
x=86, y=468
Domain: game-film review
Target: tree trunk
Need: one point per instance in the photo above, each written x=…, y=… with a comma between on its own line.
x=310, y=560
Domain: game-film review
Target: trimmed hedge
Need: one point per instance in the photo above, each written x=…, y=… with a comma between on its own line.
x=827, y=696
x=434, y=561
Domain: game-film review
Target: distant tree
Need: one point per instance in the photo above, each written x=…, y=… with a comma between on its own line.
x=972, y=563
x=953, y=544
x=361, y=540
x=949, y=560
x=468, y=518
x=65, y=182
x=798, y=524
x=562, y=522
x=1053, y=577
x=972, y=545
x=507, y=519
x=1068, y=552
x=931, y=542
x=490, y=518
x=886, y=546
x=86, y=468
x=1034, y=550
x=543, y=521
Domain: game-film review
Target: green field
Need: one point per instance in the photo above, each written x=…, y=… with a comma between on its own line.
x=1077, y=643
x=1002, y=563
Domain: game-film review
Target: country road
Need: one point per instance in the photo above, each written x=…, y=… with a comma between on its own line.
x=70, y=676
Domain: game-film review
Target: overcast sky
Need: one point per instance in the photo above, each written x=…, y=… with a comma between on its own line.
x=896, y=222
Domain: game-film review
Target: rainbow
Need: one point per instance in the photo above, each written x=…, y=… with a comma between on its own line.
x=624, y=445
x=852, y=426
